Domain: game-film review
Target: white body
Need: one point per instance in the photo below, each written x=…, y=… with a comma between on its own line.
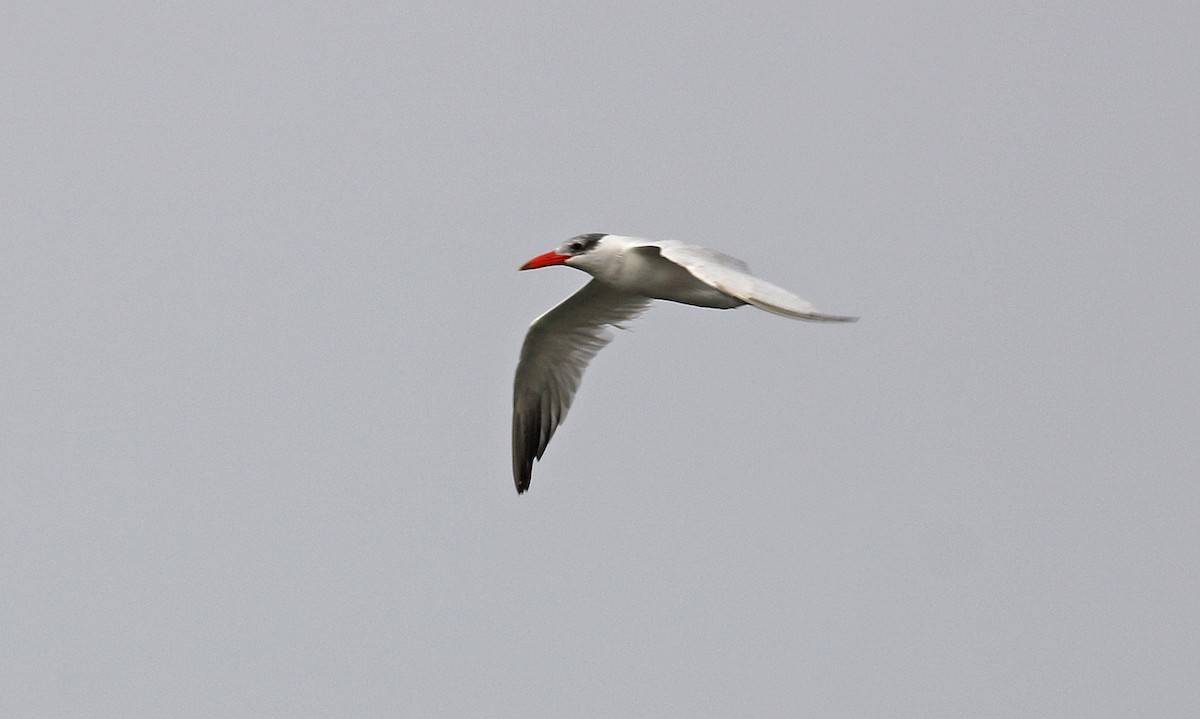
x=629, y=273
x=642, y=268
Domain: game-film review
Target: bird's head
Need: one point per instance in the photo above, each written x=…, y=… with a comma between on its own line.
x=581, y=251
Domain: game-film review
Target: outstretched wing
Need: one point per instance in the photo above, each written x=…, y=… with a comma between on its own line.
x=557, y=350
x=731, y=276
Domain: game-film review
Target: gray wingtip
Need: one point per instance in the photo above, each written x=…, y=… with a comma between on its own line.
x=809, y=315
x=522, y=472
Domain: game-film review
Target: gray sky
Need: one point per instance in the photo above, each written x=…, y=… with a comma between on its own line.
x=261, y=312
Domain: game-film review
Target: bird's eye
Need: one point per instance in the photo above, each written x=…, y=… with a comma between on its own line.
x=576, y=246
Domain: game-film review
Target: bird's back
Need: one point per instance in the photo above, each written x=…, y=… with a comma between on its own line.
x=647, y=272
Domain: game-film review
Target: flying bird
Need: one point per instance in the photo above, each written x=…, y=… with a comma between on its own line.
x=627, y=274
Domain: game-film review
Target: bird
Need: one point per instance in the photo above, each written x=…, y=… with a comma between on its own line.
x=628, y=273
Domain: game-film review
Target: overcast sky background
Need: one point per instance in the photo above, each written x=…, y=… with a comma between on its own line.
x=260, y=314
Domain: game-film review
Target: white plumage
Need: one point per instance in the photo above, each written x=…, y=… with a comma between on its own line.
x=628, y=273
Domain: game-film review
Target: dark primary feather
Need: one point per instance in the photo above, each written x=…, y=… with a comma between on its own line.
x=556, y=351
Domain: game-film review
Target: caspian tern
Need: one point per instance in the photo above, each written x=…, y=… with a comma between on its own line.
x=628, y=272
